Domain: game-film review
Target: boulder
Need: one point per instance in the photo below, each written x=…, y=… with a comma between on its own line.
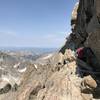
x=69, y=55
x=88, y=84
x=4, y=86
x=31, y=88
x=60, y=87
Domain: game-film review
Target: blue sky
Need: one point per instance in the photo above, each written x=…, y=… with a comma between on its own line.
x=34, y=23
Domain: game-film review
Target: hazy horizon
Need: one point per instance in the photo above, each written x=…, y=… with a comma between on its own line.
x=28, y=47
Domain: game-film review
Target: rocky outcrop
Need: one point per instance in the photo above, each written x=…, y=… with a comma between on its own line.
x=53, y=81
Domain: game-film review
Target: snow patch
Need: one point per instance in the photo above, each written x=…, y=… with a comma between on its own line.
x=22, y=70
x=35, y=66
x=47, y=57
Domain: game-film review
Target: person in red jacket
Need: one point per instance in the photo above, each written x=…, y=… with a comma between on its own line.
x=86, y=54
x=79, y=52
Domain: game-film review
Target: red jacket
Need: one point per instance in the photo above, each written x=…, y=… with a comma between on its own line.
x=80, y=52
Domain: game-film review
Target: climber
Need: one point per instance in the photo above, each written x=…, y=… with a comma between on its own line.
x=86, y=54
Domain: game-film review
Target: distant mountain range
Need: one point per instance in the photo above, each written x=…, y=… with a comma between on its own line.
x=28, y=49
x=14, y=61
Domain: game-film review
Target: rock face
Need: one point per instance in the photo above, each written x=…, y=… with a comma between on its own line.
x=85, y=24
